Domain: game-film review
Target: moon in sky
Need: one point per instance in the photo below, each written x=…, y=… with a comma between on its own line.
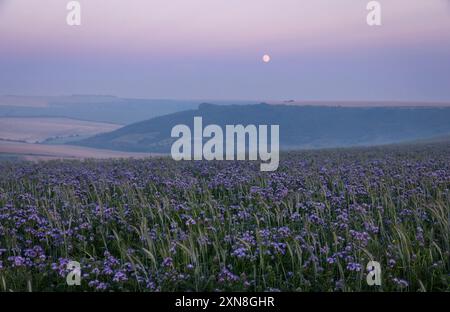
x=266, y=58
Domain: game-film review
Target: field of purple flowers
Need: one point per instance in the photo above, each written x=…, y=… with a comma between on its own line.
x=160, y=225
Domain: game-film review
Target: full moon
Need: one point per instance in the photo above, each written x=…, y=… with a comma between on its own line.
x=266, y=58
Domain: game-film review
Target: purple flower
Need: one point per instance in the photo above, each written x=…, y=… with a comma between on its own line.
x=120, y=277
x=17, y=261
x=167, y=262
x=352, y=266
x=400, y=282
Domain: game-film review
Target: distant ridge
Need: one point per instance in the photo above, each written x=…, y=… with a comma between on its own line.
x=301, y=127
x=362, y=103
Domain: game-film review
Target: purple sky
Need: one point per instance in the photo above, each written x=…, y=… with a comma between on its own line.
x=212, y=49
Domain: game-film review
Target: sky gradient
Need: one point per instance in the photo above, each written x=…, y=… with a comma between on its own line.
x=212, y=49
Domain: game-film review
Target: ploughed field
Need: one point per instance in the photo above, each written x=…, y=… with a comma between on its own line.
x=160, y=225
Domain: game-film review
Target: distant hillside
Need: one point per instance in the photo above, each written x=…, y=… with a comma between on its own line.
x=301, y=127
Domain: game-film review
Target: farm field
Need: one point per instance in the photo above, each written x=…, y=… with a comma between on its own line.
x=41, y=129
x=160, y=225
x=37, y=152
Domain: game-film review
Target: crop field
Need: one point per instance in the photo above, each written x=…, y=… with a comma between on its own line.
x=159, y=225
x=41, y=129
x=36, y=152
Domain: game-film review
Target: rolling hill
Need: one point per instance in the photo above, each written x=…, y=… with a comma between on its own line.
x=301, y=127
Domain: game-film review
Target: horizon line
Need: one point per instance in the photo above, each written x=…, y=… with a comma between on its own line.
x=293, y=102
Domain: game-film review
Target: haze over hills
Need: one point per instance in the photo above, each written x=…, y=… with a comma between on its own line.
x=117, y=110
x=97, y=108
x=301, y=127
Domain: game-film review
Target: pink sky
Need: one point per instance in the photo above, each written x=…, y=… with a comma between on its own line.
x=180, y=42
x=196, y=26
